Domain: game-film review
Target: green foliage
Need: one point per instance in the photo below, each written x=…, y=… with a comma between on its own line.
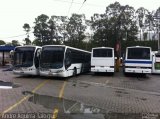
x=141, y=13
x=50, y=30
x=37, y=42
x=145, y=36
x=15, y=43
x=75, y=29
x=41, y=31
x=27, y=29
x=2, y=42
x=115, y=24
x=118, y=24
x=27, y=41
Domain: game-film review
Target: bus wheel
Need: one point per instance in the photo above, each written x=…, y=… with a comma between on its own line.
x=125, y=74
x=74, y=72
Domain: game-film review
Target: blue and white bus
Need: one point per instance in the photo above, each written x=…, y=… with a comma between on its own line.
x=138, y=59
x=26, y=60
x=63, y=61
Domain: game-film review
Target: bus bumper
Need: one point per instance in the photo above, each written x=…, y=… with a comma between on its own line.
x=51, y=74
x=104, y=69
x=135, y=70
x=25, y=72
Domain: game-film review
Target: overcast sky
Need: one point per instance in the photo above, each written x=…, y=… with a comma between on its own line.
x=14, y=13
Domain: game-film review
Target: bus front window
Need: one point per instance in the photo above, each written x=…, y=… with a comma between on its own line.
x=23, y=57
x=52, y=57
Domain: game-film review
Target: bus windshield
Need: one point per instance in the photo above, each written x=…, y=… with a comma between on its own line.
x=52, y=57
x=139, y=53
x=23, y=56
x=102, y=52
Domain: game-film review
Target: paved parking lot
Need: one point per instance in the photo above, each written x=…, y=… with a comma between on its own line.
x=79, y=97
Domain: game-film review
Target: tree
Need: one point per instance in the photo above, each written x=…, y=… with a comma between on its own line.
x=57, y=26
x=37, y=42
x=52, y=28
x=75, y=29
x=27, y=41
x=157, y=21
x=61, y=26
x=41, y=29
x=2, y=42
x=117, y=23
x=145, y=36
x=149, y=23
x=141, y=15
x=27, y=29
x=15, y=43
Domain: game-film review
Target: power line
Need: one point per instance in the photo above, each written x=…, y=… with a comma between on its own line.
x=70, y=8
x=81, y=5
x=95, y=5
x=15, y=36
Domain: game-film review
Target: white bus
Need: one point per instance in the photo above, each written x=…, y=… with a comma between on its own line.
x=102, y=59
x=63, y=61
x=156, y=62
x=138, y=59
x=26, y=60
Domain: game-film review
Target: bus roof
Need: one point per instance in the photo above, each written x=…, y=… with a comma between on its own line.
x=138, y=47
x=103, y=48
x=67, y=47
x=28, y=46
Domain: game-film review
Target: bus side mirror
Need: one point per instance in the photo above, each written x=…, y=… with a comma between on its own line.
x=11, y=53
x=38, y=54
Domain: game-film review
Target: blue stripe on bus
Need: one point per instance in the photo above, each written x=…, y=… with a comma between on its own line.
x=138, y=62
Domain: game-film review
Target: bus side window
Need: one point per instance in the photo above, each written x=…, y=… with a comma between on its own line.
x=67, y=58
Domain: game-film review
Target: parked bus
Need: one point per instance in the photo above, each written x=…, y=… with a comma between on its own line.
x=63, y=61
x=102, y=59
x=155, y=62
x=26, y=60
x=138, y=59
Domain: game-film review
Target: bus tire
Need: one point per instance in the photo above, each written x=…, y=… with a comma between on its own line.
x=125, y=74
x=74, y=71
x=112, y=74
